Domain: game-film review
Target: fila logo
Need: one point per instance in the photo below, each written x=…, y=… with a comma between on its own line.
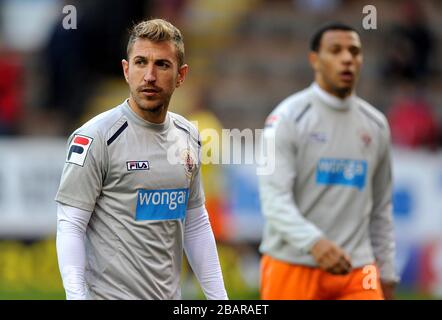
x=78, y=149
x=137, y=165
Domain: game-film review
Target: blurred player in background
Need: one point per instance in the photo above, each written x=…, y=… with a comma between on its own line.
x=125, y=212
x=329, y=230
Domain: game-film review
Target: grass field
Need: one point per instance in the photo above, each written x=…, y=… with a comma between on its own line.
x=32, y=295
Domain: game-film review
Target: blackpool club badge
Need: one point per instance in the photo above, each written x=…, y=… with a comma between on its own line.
x=188, y=161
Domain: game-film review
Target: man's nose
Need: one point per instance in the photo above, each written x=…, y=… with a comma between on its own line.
x=150, y=75
x=346, y=57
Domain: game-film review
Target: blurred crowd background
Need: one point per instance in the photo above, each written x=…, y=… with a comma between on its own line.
x=245, y=56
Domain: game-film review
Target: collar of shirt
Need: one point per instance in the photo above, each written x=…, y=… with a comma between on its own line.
x=140, y=121
x=331, y=100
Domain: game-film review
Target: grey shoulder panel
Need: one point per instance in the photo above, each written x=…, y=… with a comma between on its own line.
x=117, y=133
x=303, y=112
x=186, y=127
x=371, y=116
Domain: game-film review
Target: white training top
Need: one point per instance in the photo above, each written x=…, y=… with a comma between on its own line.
x=118, y=167
x=332, y=179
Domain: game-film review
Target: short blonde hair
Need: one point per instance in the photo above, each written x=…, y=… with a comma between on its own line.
x=157, y=30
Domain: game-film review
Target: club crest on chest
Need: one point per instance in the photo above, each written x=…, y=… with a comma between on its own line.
x=188, y=161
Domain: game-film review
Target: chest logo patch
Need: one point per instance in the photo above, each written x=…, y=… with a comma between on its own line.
x=188, y=161
x=318, y=137
x=137, y=165
x=345, y=172
x=165, y=204
x=366, y=139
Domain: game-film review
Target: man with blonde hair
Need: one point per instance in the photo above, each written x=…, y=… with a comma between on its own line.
x=125, y=210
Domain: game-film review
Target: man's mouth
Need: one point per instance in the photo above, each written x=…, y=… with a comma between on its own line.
x=346, y=75
x=149, y=92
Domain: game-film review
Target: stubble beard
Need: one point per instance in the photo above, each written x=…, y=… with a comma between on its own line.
x=346, y=90
x=149, y=106
x=343, y=92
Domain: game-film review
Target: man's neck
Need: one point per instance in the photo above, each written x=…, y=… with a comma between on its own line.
x=338, y=94
x=332, y=100
x=154, y=116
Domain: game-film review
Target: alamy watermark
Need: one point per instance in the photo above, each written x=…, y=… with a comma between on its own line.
x=70, y=20
x=233, y=146
x=370, y=20
x=230, y=146
x=370, y=281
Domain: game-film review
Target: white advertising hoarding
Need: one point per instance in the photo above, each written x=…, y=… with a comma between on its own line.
x=30, y=171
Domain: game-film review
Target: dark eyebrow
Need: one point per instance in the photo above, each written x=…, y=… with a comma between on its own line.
x=338, y=45
x=164, y=60
x=335, y=45
x=140, y=57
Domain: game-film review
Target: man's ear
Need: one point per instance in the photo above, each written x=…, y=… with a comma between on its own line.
x=125, y=65
x=313, y=59
x=182, y=72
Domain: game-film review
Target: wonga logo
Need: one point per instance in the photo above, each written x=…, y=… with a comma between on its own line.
x=161, y=204
x=344, y=172
x=78, y=149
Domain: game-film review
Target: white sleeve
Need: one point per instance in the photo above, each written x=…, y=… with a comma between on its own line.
x=71, y=229
x=200, y=248
x=381, y=222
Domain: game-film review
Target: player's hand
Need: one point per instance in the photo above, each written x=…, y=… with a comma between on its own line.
x=388, y=289
x=331, y=257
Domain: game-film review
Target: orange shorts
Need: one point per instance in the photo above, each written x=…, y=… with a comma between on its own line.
x=285, y=281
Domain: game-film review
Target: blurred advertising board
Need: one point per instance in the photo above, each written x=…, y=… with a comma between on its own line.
x=30, y=171
x=417, y=204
